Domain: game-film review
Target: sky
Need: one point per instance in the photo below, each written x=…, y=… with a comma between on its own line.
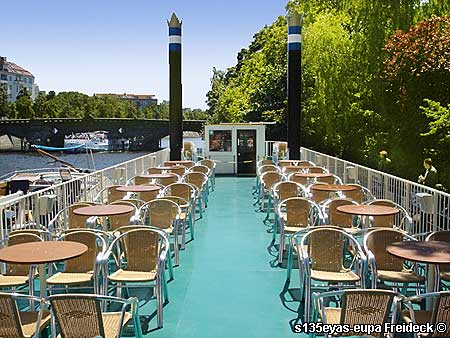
x=100, y=46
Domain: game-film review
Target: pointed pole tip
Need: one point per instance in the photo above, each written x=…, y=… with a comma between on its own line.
x=174, y=21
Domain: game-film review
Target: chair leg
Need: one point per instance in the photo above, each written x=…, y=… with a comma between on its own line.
x=307, y=300
x=183, y=233
x=281, y=249
x=164, y=287
x=159, y=303
x=170, y=264
x=191, y=227
x=289, y=263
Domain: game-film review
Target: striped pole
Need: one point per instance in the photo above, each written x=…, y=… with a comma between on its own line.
x=294, y=85
x=175, y=107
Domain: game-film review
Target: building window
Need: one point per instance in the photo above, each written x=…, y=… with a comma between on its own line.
x=220, y=140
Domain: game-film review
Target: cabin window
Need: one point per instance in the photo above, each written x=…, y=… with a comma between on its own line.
x=220, y=140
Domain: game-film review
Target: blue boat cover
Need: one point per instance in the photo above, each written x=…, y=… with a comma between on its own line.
x=56, y=148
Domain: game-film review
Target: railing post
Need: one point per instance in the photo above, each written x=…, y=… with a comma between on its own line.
x=435, y=211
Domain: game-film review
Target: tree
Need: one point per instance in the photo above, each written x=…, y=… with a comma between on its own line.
x=5, y=107
x=24, y=105
x=40, y=106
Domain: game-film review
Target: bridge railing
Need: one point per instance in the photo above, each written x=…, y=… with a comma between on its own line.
x=428, y=207
x=26, y=211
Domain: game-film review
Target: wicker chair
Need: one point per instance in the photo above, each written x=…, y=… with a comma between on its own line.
x=132, y=217
x=21, y=324
x=319, y=170
x=165, y=215
x=369, y=307
x=184, y=163
x=165, y=181
x=81, y=315
x=198, y=168
x=287, y=170
x=295, y=214
x=184, y=190
x=199, y=180
x=264, y=162
x=66, y=219
x=360, y=195
x=437, y=314
x=259, y=172
x=84, y=269
x=334, y=217
x=185, y=216
x=321, y=255
x=18, y=275
x=298, y=179
x=155, y=170
x=212, y=166
x=268, y=180
x=444, y=269
x=180, y=170
x=384, y=266
x=139, y=180
x=148, y=196
x=111, y=195
x=401, y=221
x=142, y=261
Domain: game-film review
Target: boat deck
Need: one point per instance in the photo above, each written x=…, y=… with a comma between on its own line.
x=225, y=285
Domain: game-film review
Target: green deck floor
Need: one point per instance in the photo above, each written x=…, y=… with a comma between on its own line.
x=225, y=285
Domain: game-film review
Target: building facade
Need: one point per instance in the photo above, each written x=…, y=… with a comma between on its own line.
x=16, y=78
x=141, y=100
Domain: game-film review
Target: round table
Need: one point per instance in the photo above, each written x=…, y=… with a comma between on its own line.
x=138, y=188
x=313, y=175
x=104, y=210
x=368, y=210
x=42, y=253
x=333, y=187
x=431, y=252
x=182, y=162
x=157, y=176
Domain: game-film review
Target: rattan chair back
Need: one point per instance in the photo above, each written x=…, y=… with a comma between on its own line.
x=384, y=221
x=264, y=162
x=178, y=169
x=196, y=178
x=443, y=236
x=78, y=316
x=326, y=250
x=356, y=195
x=366, y=307
x=326, y=179
x=209, y=163
x=268, y=167
x=299, y=179
x=86, y=261
x=165, y=181
x=117, y=221
x=269, y=179
x=318, y=170
x=297, y=211
x=20, y=269
x=318, y=195
x=287, y=189
x=154, y=170
x=377, y=241
x=114, y=194
x=198, y=168
x=182, y=190
x=77, y=221
x=162, y=213
x=139, y=180
x=10, y=325
x=142, y=249
x=338, y=218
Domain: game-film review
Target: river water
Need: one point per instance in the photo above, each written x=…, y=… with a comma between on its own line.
x=10, y=162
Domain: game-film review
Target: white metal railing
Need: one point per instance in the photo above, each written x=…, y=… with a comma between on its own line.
x=429, y=208
x=38, y=208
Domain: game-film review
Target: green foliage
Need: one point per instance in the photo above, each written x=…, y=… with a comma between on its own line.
x=5, y=107
x=354, y=59
x=23, y=105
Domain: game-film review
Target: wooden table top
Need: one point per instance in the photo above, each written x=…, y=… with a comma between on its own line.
x=157, y=176
x=42, y=252
x=432, y=252
x=333, y=187
x=316, y=175
x=104, y=210
x=138, y=188
x=368, y=210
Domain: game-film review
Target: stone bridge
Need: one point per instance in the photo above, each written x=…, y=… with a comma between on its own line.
x=51, y=132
